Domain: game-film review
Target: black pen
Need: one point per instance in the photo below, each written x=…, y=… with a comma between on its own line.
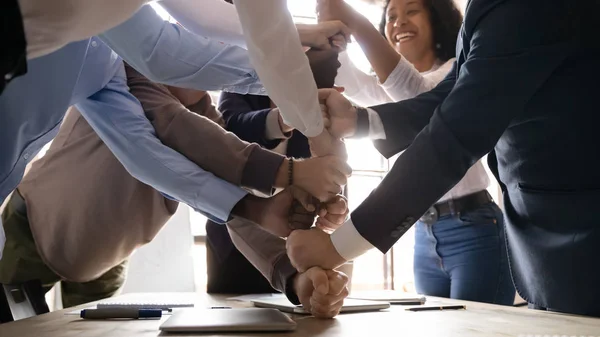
x=441, y=308
x=111, y=313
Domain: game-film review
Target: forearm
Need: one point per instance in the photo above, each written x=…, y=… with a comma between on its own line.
x=361, y=88
x=216, y=150
x=187, y=132
x=119, y=120
x=435, y=153
x=166, y=53
x=214, y=19
x=404, y=120
x=381, y=55
x=278, y=57
x=265, y=251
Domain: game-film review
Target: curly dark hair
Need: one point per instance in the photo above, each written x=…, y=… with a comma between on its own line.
x=446, y=20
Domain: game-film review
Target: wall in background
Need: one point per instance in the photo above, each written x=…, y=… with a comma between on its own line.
x=165, y=264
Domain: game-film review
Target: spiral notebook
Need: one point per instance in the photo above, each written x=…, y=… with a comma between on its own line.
x=149, y=301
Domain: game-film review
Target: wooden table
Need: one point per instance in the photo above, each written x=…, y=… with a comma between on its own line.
x=478, y=320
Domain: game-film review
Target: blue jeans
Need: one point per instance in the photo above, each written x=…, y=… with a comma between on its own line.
x=464, y=257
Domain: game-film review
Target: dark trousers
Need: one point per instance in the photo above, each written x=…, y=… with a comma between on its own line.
x=229, y=272
x=22, y=262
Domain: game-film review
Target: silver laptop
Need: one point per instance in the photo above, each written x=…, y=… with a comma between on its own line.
x=228, y=320
x=350, y=305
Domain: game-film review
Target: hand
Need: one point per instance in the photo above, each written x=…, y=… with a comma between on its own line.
x=329, y=10
x=322, y=177
x=312, y=248
x=273, y=214
x=325, y=144
x=339, y=115
x=319, y=35
x=321, y=292
x=333, y=214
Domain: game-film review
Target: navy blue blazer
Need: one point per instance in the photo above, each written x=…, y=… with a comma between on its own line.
x=246, y=115
x=524, y=86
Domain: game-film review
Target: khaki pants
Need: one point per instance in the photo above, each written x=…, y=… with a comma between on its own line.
x=21, y=262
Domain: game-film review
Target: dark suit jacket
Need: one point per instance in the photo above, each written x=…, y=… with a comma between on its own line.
x=246, y=115
x=525, y=83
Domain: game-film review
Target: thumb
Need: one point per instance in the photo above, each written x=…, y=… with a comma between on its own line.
x=304, y=198
x=319, y=279
x=324, y=94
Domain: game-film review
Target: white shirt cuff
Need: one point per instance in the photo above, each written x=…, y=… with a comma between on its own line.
x=272, y=127
x=348, y=242
x=376, y=130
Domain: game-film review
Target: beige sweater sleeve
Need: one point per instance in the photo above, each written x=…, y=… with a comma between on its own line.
x=202, y=140
x=264, y=250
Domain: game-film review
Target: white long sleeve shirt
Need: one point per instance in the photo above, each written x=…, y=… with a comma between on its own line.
x=403, y=83
x=280, y=62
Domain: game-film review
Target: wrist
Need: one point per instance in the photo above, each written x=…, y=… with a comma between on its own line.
x=358, y=23
x=249, y=208
x=282, y=179
x=361, y=123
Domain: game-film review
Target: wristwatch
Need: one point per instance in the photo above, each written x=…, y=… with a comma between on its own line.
x=362, y=123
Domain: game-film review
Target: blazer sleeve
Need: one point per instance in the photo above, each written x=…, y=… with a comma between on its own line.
x=203, y=141
x=402, y=121
x=244, y=120
x=504, y=67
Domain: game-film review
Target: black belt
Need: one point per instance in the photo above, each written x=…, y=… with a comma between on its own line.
x=17, y=203
x=456, y=206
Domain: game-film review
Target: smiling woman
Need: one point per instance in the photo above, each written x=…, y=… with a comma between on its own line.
x=423, y=31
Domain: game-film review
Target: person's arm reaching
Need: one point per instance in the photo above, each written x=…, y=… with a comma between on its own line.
x=398, y=78
x=468, y=123
x=381, y=55
x=251, y=125
x=215, y=19
x=118, y=118
x=278, y=57
x=268, y=254
x=361, y=88
x=169, y=54
x=227, y=157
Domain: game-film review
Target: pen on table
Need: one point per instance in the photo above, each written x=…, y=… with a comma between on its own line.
x=108, y=313
x=441, y=307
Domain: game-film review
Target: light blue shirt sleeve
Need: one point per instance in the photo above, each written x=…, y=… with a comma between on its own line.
x=167, y=53
x=117, y=117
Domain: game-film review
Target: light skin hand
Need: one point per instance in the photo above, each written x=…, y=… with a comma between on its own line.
x=321, y=292
x=339, y=115
x=319, y=35
x=333, y=214
x=322, y=177
x=312, y=248
x=325, y=144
